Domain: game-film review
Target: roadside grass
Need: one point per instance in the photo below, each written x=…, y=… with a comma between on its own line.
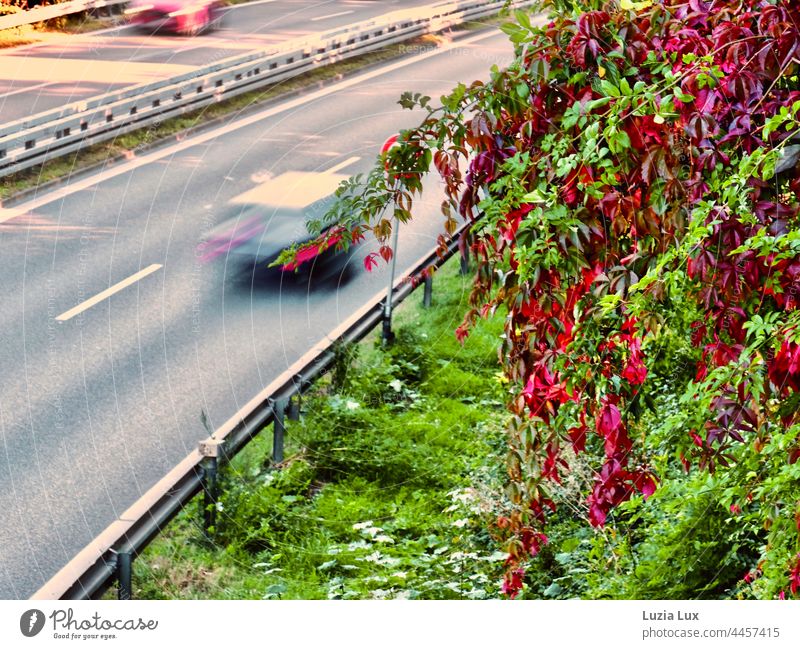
x=390, y=487
x=57, y=29
x=131, y=144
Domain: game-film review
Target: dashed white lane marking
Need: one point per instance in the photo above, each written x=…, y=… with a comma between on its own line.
x=342, y=165
x=152, y=268
x=340, y=13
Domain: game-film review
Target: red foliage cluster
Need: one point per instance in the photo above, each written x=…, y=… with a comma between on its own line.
x=315, y=248
x=752, y=46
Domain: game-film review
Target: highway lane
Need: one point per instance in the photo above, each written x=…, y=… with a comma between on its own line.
x=95, y=409
x=39, y=77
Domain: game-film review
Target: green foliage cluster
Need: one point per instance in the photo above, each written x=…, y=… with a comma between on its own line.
x=395, y=484
x=636, y=170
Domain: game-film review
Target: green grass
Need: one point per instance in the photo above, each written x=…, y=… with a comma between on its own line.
x=391, y=482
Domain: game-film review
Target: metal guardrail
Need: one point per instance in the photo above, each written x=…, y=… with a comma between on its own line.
x=32, y=140
x=48, y=12
x=108, y=558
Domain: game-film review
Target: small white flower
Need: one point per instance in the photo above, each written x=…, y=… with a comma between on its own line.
x=352, y=405
x=396, y=385
x=461, y=522
x=372, y=531
x=220, y=507
x=271, y=570
x=382, y=538
x=362, y=526
x=400, y=575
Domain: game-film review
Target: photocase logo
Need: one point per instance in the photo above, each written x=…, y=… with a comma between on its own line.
x=31, y=622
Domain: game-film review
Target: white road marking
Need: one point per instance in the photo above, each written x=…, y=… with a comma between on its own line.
x=342, y=165
x=341, y=13
x=210, y=135
x=152, y=268
x=250, y=4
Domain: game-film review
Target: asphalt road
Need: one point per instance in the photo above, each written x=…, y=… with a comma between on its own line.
x=96, y=408
x=39, y=77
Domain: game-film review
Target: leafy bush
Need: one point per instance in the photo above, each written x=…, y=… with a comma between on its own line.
x=637, y=170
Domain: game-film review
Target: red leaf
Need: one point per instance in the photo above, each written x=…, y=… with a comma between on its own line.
x=371, y=261
x=597, y=517
x=646, y=484
x=794, y=576
x=577, y=436
x=386, y=253
x=512, y=583
x=609, y=420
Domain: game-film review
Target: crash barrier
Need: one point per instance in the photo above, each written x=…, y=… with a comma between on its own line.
x=109, y=557
x=32, y=140
x=41, y=13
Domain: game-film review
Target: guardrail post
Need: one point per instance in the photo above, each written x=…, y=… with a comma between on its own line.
x=427, y=296
x=209, y=449
x=124, y=575
x=278, y=429
x=294, y=408
x=387, y=335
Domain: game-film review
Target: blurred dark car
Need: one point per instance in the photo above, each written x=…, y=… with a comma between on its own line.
x=274, y=216
x=176, y=16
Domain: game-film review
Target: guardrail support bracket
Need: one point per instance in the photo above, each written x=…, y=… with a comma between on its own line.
x=279, y=429
x=294, y=408
x=209, y=449
x=428, y=294
x=124, y=575
x=387, y=335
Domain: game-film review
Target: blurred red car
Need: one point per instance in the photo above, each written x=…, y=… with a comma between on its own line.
x=176, y=16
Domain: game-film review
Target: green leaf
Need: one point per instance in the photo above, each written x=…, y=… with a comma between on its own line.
x=553, y=590
x=523, y=19
x=609, y=89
